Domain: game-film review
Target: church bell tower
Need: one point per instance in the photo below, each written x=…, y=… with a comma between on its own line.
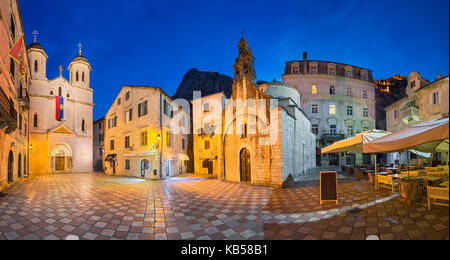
x=244, y=71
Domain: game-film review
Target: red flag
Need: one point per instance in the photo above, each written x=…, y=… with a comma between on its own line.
x=17, y=53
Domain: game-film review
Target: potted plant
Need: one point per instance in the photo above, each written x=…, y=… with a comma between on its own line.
x=408, y=188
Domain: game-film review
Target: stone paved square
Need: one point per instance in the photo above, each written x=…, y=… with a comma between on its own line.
x=99, y=207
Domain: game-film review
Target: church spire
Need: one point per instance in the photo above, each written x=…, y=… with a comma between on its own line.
x=244, y=67
x=80, y=46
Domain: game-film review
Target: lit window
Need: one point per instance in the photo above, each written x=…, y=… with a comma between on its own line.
x=315, y=109
x=332, y=109
x=314, y=89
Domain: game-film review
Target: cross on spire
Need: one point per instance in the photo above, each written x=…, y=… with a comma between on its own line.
x=35, y=34
x=60, y=70
x=80, y=46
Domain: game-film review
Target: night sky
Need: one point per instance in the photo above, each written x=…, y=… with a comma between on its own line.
x=154, y=43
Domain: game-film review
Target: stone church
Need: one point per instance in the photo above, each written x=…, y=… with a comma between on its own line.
x=61, y=136
x=260, y=136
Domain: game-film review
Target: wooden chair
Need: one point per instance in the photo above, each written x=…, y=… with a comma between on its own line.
x=387, y=182
x=358, y=173
x=371, y=177
x=412, y=174
x=436, y=195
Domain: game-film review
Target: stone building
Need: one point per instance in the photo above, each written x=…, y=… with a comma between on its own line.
x=99, y=145
x=60, y=115
x=340, y=101
x=432, y=99
x=404, y=113
x=424, y=101
x=14, y=100
x=253, y=137
x=145, y=134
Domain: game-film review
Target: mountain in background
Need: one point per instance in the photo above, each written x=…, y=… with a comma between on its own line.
x=207, y=82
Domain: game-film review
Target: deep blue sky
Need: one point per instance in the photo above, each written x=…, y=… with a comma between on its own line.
x=147, y=42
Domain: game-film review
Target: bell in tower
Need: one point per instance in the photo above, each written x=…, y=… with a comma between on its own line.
x=244, y=68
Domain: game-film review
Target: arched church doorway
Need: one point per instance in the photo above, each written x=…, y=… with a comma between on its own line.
x=145, y=167
x=61, y=159
x=10, y=167
x=245, y=165
x=208, y=164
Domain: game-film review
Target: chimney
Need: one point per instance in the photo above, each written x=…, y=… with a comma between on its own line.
x=305, y=62
x=439, y=77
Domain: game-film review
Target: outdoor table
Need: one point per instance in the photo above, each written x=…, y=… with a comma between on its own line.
x=382, y=173
x=444, y=184
x=432, y=180
x=395, y=176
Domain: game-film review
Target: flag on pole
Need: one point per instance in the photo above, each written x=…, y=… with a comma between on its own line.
x=16, y=53
x=59, y=108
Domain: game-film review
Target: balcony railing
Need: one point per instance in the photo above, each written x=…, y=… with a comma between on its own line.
x=410, y=113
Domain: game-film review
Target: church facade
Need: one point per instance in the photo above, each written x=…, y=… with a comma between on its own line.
x=61, y=134
x=260, y=136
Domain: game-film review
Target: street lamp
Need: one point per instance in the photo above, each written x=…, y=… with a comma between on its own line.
x=159, y=139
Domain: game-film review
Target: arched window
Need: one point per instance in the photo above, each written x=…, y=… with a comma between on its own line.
x=51, y=92
x=77, y=76
x=60, y=91
x=82, y=76
x=83, y=125
x=35, y=66
x=35, y=120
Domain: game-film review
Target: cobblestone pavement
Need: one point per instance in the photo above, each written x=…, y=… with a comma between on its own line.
x=95, y=206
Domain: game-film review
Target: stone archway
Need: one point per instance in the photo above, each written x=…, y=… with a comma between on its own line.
x=245, y=165
x=61, y=158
